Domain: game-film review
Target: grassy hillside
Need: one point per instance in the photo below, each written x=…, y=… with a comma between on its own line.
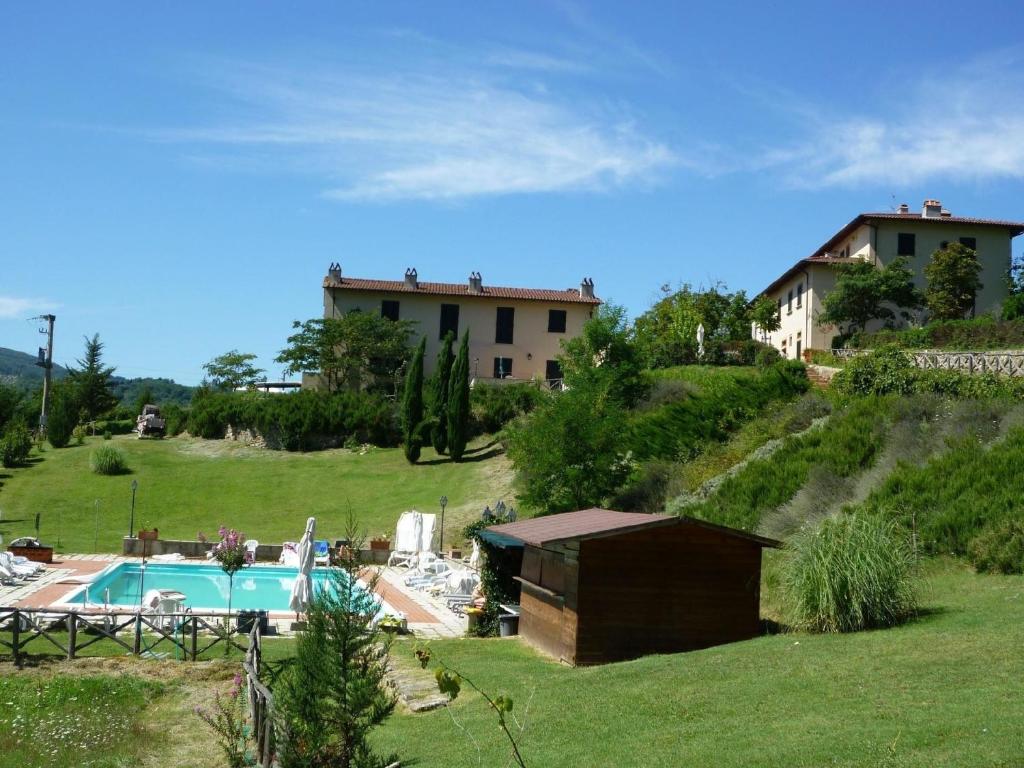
x=191, y=485
x=940, y=691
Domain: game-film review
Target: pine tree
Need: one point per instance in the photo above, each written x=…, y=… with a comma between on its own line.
x=334, y=691
x=458, y=402
x=412, y=405
x=439, y=406
x=92, y=380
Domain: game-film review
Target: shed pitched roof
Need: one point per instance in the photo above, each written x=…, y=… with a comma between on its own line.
x=569, y=295
x=596, y=523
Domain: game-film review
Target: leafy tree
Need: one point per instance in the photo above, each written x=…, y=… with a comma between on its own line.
x=458, y=402
x=604, y=351
x=666, y=334
x=333, y=693
x=953, y=276
x=92, y=381
x=765, y=314
x=10, y=398
x=233, y=370
x=62, y=417
x=15, y=444
x=569, y=452
x=439, y=404
x=357, y=350
x=862, y=292
x=145, y=398
x=412, y=406
x=1013, y=305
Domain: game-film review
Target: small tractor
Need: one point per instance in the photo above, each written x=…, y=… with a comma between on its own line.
x=149, y=423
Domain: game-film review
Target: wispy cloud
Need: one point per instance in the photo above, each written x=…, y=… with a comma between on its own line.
x=968, y=124
x=443, y=135
x=17, y=307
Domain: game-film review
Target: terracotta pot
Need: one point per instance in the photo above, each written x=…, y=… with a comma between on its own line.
x=384, y=544
x=149, y=535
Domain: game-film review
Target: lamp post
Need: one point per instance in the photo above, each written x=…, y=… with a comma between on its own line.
x=444, y=503
x=131, y=523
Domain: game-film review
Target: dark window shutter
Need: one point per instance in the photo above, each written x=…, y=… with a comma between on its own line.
x=504, y=325
x=556, y=321
x=502, y=367
x=969, y=242
x=906, y=244
x=389, y=309
x=449, y=320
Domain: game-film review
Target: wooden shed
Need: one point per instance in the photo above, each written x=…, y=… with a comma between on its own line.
x=600, y=586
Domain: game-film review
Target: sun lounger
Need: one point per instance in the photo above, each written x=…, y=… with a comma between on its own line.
x=289, y=554
x=321, y=552
x=170, y=557
x=250, y=551
x=407, y=539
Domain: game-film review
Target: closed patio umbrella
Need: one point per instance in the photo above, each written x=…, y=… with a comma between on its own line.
x=302, y=589
x=700, y=340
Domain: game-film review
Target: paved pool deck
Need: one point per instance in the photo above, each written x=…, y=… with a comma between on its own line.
x=427, y=616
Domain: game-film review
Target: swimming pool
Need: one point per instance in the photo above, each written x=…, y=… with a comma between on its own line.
x=204, y=586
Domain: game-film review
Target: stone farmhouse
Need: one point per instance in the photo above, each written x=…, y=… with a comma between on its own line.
x=514, y=333
x=879, y=238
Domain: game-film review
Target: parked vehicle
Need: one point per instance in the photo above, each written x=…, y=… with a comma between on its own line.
x=150, y=423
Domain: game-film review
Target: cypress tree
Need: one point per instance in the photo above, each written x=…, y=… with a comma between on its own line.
x=458, y=402
x=63, y=414
x=439, y=407
x=412, y=405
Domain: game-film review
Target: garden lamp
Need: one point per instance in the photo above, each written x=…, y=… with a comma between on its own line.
x=444, y=503
x=131, y=522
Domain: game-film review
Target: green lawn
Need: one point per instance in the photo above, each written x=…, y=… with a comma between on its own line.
x=189, y=485
x=941, y=691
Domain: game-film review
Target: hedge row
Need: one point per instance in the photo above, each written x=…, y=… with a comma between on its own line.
x=979, y=333
x=299, y=421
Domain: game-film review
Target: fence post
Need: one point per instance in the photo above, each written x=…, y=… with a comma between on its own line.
x=16, y=637
x=72, y=634
x=195, y=636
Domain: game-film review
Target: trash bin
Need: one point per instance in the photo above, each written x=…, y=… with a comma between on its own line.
x=508, y=624
x=246, y=619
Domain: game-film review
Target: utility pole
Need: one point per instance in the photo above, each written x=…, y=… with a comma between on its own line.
x=46, y=362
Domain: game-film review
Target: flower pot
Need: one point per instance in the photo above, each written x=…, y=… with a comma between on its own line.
x=384, y=544
x=149, y=535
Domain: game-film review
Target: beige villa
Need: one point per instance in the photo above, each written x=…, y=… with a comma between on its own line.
x=879, y=238
x=514, y=333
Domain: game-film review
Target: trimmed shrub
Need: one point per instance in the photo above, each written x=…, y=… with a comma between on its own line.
x=78, y=434
x=62, y=417
x=494, y=406
x=15, y=444
x=299, y=421
x=175, y=416
x=108, y=460
x=766, y=357
x=884, y=371
x=999, y=548
x=984, y=332
x=116, y=426
x=107, y=435
x=852, y=572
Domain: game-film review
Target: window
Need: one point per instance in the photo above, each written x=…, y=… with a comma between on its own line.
x=906, y=244
x=556, y=321
x=389, y=309
x=944, y=244
x=552, y=371
x=780, y=307
x=449, y=320
x=799, y=344
x=789, y=303
x=969, y=242
x=503, y=327
x=502, y=367
x=799, y=295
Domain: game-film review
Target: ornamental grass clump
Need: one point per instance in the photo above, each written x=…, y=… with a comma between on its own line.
x=852, y=572
x=108, y=460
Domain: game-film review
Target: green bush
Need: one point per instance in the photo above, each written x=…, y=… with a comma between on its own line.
x=999, y=548
x=78, y=435
x=108, y=460
x=15, y=444
x=62, y=417
x=116, y=426
x=494, y=406
x=717, y=402
x=979, y=333
x=852, y=572
x=107, y=435
x=887, y=370
x=299, y=421
x=766, y=357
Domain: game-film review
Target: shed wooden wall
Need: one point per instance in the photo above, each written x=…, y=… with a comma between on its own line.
x=547, y=612
x=665, y=590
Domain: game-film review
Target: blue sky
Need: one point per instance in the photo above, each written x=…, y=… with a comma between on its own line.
x=178, y=176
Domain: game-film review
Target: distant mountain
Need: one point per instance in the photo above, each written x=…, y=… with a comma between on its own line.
x=20, y=369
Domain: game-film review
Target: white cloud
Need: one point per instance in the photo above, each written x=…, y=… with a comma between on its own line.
x=15, y=307
x=440, y=136
x=968, y=124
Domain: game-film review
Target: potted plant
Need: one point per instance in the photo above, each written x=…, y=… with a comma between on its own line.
x=146, y=535
x=381, y=542
x=392, y=624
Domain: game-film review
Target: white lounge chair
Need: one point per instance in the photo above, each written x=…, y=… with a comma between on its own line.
x=407, y=539
x=289, y=554
x=321, y=552
x=250, y=550
x=26, y=569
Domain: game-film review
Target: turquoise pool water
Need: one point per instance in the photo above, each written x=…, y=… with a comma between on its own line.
x=205, y=586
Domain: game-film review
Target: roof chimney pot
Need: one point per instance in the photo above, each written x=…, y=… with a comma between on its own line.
x=932, y=209
x=587, y=288
x=334, y=271
x=410, y=278
x=904, y=208
x=476, y=283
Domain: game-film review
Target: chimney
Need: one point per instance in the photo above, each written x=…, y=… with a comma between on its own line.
x=476, y=283
x=410, y=278
x=904, y=208
x=334, y=271
x=587, y=288
x=932, y=209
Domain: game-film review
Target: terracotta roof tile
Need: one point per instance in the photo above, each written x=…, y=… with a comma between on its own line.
x=570, y=295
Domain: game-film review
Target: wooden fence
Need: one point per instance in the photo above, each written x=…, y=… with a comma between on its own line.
x=71, y=632
x=261, y=700
x=1002, y=363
